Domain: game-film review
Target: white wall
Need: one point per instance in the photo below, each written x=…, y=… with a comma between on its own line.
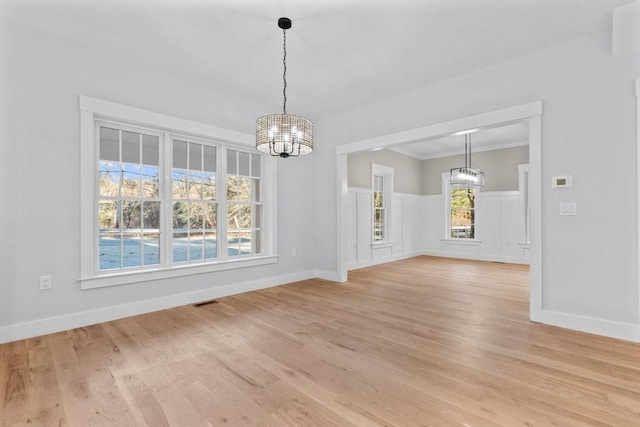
x=406, y=229
x=418, y=228
x=500, y=229
x=589, y=121
x=41, y=77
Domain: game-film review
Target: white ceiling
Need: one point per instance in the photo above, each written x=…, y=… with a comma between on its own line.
x=485, y=139
x=341, y=54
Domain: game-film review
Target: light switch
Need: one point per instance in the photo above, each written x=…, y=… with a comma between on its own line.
x=568, y=208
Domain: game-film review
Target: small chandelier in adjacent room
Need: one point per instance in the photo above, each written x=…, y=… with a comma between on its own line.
x=466, y=176
x=284, y=135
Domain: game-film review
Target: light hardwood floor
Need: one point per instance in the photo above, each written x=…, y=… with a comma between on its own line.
x=425, y=341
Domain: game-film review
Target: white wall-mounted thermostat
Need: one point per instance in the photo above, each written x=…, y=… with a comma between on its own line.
x=561, y=182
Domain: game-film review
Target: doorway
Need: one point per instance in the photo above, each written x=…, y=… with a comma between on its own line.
x=530, y=113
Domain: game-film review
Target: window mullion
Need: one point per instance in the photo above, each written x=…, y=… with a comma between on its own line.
x=221, y=197
x=166, y=219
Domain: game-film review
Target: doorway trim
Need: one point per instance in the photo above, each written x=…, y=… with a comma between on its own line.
x=637, y=337
x=531, y=112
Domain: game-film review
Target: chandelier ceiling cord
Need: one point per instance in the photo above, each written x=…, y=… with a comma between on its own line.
x=466, y=176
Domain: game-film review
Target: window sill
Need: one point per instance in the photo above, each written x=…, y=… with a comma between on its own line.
x=159, y=273
x=380, y=245
x=468, y=242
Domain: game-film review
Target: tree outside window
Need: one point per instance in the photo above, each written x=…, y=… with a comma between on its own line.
x=462, y=213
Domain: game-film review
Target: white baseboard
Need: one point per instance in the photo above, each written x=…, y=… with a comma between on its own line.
x=592, y=325
x=477, y=257
x=332, y=276
x=65, y=322
x=371, y=262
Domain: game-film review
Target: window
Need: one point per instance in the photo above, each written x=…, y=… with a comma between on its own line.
x=129, y=203
x=379, y=211
x=462, y=213
x=244, y=208
x=194, y=207
x=158, y=203
x=382, y=186
x=460, y=209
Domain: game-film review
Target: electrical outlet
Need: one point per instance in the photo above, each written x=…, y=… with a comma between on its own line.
x=45, y=283
x=294, y=252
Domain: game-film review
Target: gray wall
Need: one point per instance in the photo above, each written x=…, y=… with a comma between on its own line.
x=500, y=169
x=413, y=176
x=407, y=171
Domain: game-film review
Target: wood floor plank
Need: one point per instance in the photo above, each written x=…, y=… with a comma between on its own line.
x=16, y=410
x=46, y=401
x=420, y=342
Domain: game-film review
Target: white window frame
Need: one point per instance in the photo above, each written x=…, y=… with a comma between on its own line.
x=93, y=110
x=446, y=195
x=386, y=173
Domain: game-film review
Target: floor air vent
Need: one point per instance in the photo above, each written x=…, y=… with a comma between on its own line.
x=200, y=304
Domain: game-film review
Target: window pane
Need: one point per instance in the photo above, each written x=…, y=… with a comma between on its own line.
x=462, y=223
x=131, y=215
x=233, y=217
x=243, y=189
x=131, y=180
x=209, y=185
x=195, y=185
x=245, y=216
x=132, y=250
x=255, y=189
x=255, y=165
x=195, y=156
x=151, y=249
x=257, y=242
x=180, y=244
x=378, y=183
x=109, y=251
x=232, y=159
x=257, y=219
x=151, y=216
x=377, y=199
x=210, y=246
x=180, y=183
x=233, y=243
x=109, y=144
x=130, y=147
x=195, y=247
x=108, y=215
x=109, y=180
x=180, y=216
x=150, y=150
x=244, y=161
x=179, y=154
x=232, y=188
x=245, y=242
x=209, y=158
x=378, y=224
x=150, y=181
x=210, y=216
x=196, y=217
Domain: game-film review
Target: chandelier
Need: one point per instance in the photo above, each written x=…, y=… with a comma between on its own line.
x=466, y=176
x=284, y=135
